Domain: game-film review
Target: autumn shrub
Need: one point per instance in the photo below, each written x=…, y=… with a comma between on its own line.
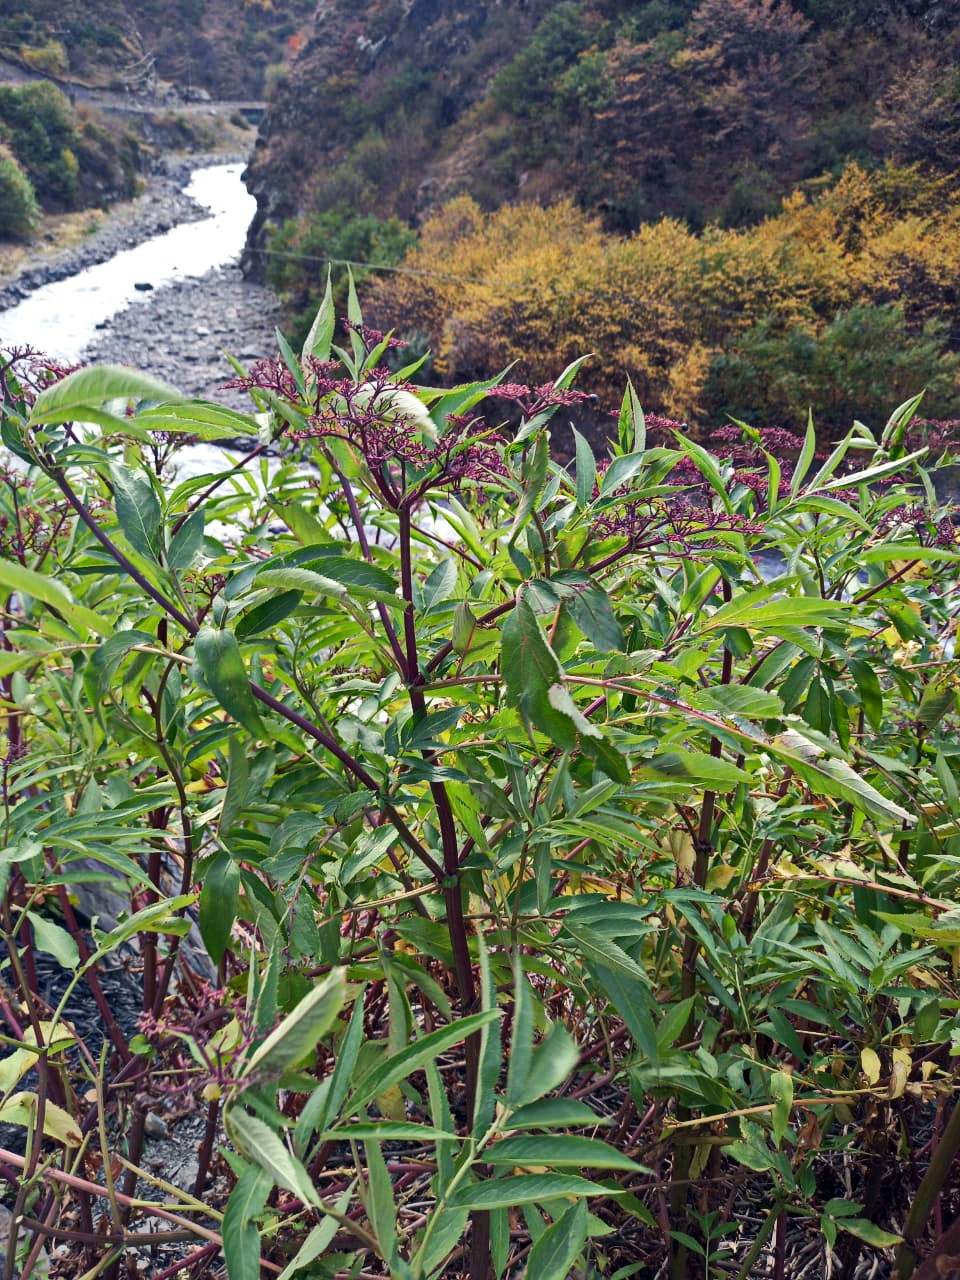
x=50, y=58
x=844, y=299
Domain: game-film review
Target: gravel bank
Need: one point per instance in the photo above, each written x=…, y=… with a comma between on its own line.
x=178, y=333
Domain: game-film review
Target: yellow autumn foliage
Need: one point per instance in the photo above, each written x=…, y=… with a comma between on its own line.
x=541, y=286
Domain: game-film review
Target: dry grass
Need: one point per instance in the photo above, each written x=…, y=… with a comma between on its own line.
x=57, y=232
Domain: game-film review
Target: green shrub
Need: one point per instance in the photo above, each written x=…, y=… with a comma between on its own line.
x=42, y=131
x=525, y=821
x=274, y=75
x=19, y=212
x=109, y=161
x=300, y=252
x=863, y=359
x=530, y=81
x=50, y=58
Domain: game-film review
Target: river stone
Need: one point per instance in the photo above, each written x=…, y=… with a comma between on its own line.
x=152, y=336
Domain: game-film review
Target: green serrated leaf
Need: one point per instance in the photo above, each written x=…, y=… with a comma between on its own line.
x=267, y=614
x=138, y=510
x=26, y=582
x=586, y=474
x=591, y=610
x=219, y=899
x=870, y=1234
x=559, y=1151
x=320, y=337
x=54, y=940
x=530, y=669
x=525, y=1188
x=241, y=1239
x=388, y=1131
x=186, y=542
x=91, y=389
x=399, y=1066
x=555, y=1253
x=631, y=428
x=555, y=1113
x=739, y=700
x=261, y=1145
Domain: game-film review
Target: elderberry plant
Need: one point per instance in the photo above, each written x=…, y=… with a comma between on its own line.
x=573, y=844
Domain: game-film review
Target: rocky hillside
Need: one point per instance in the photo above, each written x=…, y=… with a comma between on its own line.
x=227, y=48
x=710, y=110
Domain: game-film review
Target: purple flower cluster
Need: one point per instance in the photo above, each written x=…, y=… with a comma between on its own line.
x=923, y=525
x=388, y=426
x=940, y=435
x=759, y=483
x=533, y=400
x=29, y=525
x=24, y=373
x=372, y=337
x=687, y=517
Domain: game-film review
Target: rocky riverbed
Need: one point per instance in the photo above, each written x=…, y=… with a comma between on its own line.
x=179, y=333
x=161, y=206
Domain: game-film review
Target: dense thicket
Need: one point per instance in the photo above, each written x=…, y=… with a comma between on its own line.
x=573, y=849
x=841, y=301
x=19, y=213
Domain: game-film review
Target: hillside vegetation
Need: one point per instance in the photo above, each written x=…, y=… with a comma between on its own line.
x=55, y=158
x=536, y=870
x=224, y=47
x=843, y=300
x=708, y=195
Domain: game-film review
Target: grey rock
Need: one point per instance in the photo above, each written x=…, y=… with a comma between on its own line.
x=155, y=1126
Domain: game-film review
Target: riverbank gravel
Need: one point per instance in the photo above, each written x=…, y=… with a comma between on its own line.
x=179, y=333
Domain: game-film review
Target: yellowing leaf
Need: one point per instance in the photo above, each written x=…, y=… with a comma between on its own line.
x=57, y=1123
x=680, y=844
x=15, y=1067
x=392, y=1104
x=870, y=1065
x=902, y=1064
x=786, y=869
x=719, y=877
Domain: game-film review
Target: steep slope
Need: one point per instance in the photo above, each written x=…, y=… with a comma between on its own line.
x=224, y=47
x=709, y=111
x=366, y=115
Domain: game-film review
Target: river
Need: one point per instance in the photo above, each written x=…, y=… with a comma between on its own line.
x=62, y=319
